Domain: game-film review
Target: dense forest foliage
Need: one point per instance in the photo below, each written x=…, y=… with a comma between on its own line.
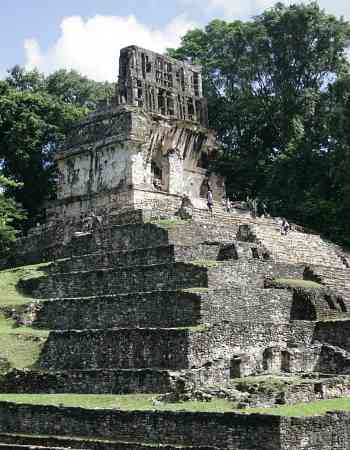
x=278, y=88
x=36, y=113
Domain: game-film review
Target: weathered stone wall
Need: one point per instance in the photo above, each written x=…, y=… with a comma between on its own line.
x=161, y=85
x=88, y=382
x=123, y=280
x=229, y=430
x=178, y=348
x=334, y=332
x=120, y=348
x=161, y=309
x=233, y=431
x=328, y=432
x=155, y=309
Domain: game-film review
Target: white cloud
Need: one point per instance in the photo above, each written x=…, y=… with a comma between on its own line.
x=92, y=46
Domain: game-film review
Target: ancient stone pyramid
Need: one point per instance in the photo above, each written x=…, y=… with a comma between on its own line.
x=153, y=294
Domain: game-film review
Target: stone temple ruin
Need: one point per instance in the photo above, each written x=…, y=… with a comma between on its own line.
x=148, y=148
x=138, y=300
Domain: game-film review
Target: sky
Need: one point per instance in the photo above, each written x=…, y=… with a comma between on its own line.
x=87, y=35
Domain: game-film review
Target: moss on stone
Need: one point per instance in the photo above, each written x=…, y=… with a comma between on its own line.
x=209, y=263
x=197, y=290
x=13, y=281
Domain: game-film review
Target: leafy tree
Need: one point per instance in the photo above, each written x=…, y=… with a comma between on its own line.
x=10, y=212
x=269, y=83
x=36, y=113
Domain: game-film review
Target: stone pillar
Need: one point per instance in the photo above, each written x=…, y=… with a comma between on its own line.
x=176, y=182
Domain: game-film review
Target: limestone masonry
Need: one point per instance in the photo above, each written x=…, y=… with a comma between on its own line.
x=146, y=292
x=148, y=147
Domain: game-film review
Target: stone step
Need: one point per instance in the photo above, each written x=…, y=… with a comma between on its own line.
x=338, y=279
x=171, y=348
x=294, y=247
x=233, y=431
x=123, y=280
x=148, y=235
x=226, y=431
x=161, y=309
x=160, y=277
x=108, y=381
x=123, y=381
x=33, y=442
x=142, y=256
x=118, y=348
x=148, y=309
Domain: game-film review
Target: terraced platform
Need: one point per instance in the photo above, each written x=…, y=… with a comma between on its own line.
x=156, y=307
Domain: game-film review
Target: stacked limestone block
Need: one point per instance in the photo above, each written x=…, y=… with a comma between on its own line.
x=146, y=307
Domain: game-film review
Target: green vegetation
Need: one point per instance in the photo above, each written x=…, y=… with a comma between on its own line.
x=197, y=290
x=284, y=126
x=146, y=402
x=20, y=347
x=37, y=113
x=10, y=212
x=296, y=283
x=265, y=383
x=306, y=409
x=137, y=402
x=11, y=293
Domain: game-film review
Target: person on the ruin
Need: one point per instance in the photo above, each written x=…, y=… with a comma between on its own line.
x=285, y=227
x=228, y=204
x=223, y=202
x=210, y=201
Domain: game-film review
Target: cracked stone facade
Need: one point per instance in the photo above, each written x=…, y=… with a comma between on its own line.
x=161, y=85
x=148, y=148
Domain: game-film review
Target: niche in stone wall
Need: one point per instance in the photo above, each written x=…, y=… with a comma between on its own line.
x=160, y=171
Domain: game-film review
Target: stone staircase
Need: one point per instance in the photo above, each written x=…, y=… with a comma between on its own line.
x=30, y=442
x=295, y=247
x=144, y=307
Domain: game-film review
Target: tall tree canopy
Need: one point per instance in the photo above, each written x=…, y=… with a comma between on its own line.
x=277, y=88
x=36, y=113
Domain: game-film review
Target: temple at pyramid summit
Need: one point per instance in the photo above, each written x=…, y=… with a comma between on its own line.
x=148, y=147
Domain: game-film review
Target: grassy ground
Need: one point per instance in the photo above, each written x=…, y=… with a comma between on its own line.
x=147, y=402
x=264, y=383
x=19, y=346
x=306, y=409
x=10, y=294
x=138, y=402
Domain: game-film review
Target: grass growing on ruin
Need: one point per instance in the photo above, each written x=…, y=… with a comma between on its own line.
x=20, y=347
x=265, y=383
x=10, y=293
x=306, y=409
x=195, y=290
x=137, y=402
x=147, y=402
x=296, y=283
